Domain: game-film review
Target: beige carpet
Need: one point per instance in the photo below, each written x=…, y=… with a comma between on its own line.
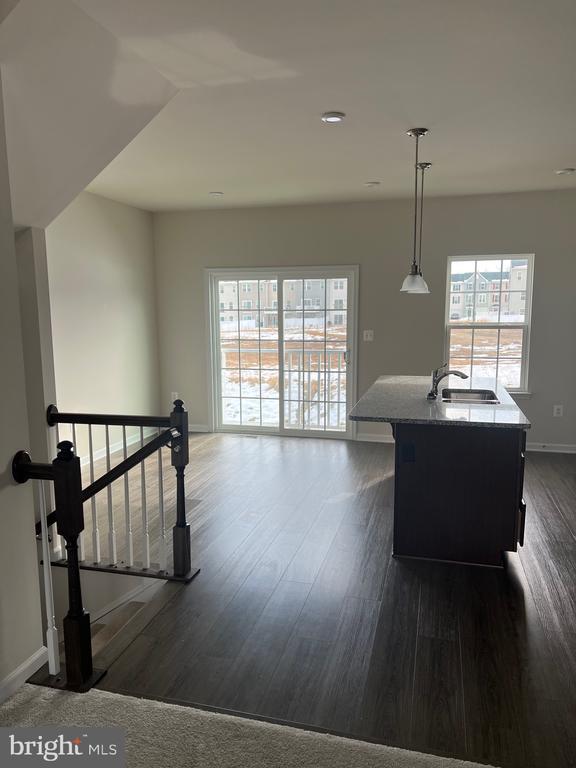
x=168, y=736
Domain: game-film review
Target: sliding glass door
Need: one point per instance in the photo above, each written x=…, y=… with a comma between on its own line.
x=283, y=350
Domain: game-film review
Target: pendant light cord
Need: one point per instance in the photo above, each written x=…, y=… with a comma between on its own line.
x=415, y=201
x=421, y=216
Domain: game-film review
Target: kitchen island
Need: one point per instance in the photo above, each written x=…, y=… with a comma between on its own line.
x=459, y=470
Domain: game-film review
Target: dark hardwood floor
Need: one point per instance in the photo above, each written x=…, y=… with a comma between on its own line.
x=300, y=613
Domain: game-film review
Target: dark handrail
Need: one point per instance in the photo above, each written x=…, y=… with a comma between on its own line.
x=126, y=465
x=116, y=472
x=54, y=416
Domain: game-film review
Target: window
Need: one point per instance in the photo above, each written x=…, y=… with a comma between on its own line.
x=490, y=341
x=247, y=304
x=221, y=303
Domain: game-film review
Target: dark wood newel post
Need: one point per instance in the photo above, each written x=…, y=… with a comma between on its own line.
x=70, y=522
x=181, y=531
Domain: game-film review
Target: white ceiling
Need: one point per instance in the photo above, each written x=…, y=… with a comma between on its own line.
x=494, y=81
x=72, y=102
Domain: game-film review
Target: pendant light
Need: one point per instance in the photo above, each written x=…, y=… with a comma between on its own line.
x=414, y=282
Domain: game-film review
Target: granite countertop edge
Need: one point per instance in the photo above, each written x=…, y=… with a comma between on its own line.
x=389, y=396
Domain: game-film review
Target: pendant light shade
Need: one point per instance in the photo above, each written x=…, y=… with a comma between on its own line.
x=414, y=282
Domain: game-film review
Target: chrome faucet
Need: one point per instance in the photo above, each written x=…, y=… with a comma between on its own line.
x=437, y=375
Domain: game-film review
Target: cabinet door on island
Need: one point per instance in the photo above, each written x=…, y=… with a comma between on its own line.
x=458, y=492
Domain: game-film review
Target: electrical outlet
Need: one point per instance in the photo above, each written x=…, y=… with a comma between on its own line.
x=368, y=336
x=557, y=410
x=174, y=396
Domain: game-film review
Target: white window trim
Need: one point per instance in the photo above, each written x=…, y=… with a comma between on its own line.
x=526, y=325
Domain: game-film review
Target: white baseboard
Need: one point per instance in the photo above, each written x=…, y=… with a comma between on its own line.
x=199, y=428
x=18, y=677
x=552, y=447
x=369, y=437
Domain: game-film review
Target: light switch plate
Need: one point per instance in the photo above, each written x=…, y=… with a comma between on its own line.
x=368, y=335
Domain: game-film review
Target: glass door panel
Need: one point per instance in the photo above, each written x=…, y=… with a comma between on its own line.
x=315, y=354
x=249, y=393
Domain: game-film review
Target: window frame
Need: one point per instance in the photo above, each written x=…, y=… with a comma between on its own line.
x=499, y=325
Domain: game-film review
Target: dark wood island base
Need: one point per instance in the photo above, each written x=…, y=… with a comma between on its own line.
x=458, y=492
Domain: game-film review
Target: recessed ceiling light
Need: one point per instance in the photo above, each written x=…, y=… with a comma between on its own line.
x=216, y=194
x=333, y=117
x=372, y=183
x=565, y=171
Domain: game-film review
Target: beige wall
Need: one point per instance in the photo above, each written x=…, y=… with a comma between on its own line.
x=20, y=617
x=409, y=330
x=102, y=298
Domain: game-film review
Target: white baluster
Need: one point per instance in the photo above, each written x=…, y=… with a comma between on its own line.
x=162, y=552
x=127, y=515
x=81, y=552
x=51, y=629
x=95, y=530
x=145, y=534
x=112, y=554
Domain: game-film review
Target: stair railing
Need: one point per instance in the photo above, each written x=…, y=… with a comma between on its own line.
x=66, y=475
x=177, y=421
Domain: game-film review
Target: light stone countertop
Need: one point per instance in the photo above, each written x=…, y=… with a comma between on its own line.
x=402, y=400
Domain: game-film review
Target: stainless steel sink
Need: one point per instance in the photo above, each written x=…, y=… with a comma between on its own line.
x=469, y=396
